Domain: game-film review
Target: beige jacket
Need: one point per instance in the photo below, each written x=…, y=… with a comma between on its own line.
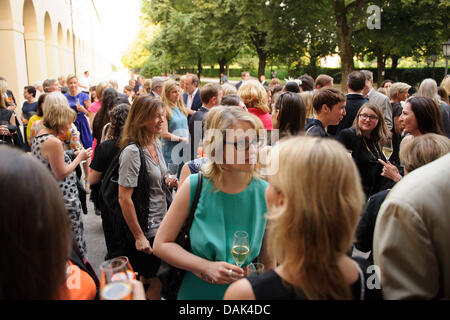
x=412, y=235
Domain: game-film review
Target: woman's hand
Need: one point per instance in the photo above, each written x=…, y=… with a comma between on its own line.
x=143, y=245
x=221, y=273
x=390, y=171
x=84, y=154
x=171, y=182
x=183, y=139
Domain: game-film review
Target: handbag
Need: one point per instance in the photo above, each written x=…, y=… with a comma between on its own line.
x=170, y=276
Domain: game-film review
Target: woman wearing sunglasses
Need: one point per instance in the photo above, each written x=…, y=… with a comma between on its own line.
x=363, y=141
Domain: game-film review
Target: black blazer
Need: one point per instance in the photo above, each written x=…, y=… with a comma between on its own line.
x=366, y=161
x=354, y=102
x=196, y=103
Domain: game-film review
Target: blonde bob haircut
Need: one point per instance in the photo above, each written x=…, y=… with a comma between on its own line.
x=222, y=118
x=135, y=130
x=169, y=85
x=423, y=149
x=315, y=224
x=57, y=116
x=254, y=95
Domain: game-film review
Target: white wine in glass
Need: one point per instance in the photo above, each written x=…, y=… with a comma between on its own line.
x=387, y=148
x=241, y=248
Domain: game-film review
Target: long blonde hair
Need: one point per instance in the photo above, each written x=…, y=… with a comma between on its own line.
x=220, y=119
x=168, y=105
x=314, y=226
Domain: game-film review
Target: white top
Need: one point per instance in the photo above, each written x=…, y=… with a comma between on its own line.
x=190, y=99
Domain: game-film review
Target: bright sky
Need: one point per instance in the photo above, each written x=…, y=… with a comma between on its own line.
x=120, y=21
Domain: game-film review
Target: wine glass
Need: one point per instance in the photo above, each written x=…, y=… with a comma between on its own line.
x=116, y=269
x=254, y=269
x=172, y=170
x=240, y=249
x=387, y=148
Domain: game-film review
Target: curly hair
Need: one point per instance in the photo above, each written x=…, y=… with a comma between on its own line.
x=118, y=116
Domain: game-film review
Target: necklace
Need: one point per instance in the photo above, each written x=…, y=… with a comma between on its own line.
x=377, y=155
x=151, y=150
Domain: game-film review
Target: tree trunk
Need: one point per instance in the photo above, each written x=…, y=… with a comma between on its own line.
x=199, y=68
x=394, y=68
x=345, y=34
x=222, y=65
x=262, y=56
x=381, y=66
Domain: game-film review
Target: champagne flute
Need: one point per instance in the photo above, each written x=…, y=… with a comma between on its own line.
x=173, y=170
x=240, y=249
x=387, y=148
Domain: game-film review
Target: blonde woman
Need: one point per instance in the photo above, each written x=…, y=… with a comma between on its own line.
x=257, y=101
x=307, y=99
x=80, y=103
x=231, y=199
x=308, y=231
x=175, y=127
x=49, y=150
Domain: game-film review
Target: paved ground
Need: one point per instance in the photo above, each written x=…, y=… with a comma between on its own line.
x=93, y=232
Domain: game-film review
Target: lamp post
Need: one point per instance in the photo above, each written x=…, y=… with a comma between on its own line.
x=446, y=49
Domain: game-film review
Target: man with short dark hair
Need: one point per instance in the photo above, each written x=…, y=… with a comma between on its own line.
x=324, y=80
x=329, y=105
x=211, y=95
x=191, y=97
x=307, y=82
x=355, y=99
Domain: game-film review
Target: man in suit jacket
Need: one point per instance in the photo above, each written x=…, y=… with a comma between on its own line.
x=157, y=86
x=355, y=99
x=191, y=97
x=211, y=96
x=380, y=99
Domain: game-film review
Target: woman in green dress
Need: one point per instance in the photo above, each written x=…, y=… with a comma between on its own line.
x=231, y=199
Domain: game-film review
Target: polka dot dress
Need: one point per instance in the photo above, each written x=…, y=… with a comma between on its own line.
x=69, y=190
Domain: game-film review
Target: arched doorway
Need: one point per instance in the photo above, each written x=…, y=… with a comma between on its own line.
x=61, y=52
x=34, y=44
x=51, y=50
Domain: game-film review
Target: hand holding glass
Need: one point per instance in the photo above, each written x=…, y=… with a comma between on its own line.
x=117, y=269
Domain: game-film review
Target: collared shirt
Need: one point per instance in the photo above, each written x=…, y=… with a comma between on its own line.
x=190, y=99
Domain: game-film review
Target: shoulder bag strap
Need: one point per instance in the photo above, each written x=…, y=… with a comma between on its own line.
x=187, y=225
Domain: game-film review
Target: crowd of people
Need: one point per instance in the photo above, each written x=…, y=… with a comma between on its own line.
x=342, y=195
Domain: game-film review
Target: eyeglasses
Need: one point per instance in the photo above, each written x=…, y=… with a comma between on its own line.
x=366, y=116
x=244, y=145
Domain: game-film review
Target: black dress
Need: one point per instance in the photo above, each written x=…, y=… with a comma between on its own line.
x=366, y=153
x=270, y=286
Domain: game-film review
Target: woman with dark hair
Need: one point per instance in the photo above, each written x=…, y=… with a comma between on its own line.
x=101, y=118
x=420, y=115
x=35, y=234
x=105, y=153
x=289, y=114
x=363, y=141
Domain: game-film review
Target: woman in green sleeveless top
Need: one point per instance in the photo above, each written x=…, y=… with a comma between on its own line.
x=231, y=199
